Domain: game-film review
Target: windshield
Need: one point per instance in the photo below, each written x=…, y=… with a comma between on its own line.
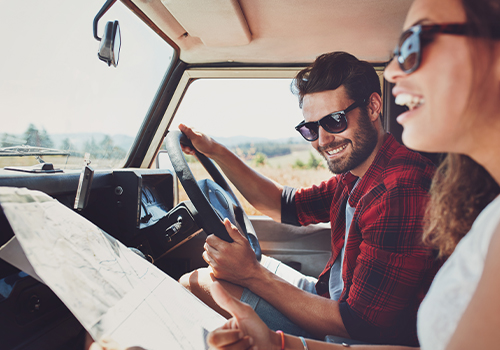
x=58, y=101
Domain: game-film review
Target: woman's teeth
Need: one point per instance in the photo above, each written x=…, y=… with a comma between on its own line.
x=336, y=150
x=410, y=101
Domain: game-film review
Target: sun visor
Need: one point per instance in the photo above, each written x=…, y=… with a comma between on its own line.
x=217, y=23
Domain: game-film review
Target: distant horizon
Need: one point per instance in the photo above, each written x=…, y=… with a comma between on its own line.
x=125, y=141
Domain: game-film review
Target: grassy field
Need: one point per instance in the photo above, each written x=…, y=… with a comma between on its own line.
x=280, y=169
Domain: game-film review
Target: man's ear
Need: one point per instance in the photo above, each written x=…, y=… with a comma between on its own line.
x=374, y=106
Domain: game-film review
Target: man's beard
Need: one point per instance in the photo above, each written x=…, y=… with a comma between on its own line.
x=363, y=143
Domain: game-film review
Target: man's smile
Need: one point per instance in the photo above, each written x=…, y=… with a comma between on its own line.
x=334, y=151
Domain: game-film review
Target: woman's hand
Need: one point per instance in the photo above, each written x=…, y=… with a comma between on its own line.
x=242, y=332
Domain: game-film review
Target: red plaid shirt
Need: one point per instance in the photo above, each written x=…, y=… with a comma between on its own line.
x=387, y=270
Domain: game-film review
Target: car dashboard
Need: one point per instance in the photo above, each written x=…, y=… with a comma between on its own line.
x=136, y=206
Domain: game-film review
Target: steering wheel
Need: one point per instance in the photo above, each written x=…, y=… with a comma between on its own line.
x=213, y=199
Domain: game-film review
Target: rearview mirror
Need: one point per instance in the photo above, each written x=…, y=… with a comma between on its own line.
x=109, y=49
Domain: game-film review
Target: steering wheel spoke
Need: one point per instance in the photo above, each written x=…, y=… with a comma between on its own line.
x=213, y=199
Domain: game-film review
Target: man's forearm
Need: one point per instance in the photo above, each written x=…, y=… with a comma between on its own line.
x=317, y=315
x=261, y=192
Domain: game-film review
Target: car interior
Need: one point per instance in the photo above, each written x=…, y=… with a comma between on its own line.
x=138, y=201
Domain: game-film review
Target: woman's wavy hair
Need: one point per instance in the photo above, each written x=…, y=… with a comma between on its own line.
x=462, y=188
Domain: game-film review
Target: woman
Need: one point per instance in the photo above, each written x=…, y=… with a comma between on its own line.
x=447, y=71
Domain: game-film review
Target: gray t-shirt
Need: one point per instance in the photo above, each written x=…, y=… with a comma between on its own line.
x=289, y=216
x=336, y=283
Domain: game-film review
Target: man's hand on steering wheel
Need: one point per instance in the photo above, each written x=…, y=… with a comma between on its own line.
x=234, y=262
x=203, y=143
x=213, y=200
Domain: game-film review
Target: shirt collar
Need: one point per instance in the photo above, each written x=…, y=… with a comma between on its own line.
x=378, y=165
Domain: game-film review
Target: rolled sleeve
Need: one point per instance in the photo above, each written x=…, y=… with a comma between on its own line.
x=288, y=208
x=313, y=204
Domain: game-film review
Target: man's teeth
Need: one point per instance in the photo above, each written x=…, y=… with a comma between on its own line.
x=336, y=150
x=411, y=101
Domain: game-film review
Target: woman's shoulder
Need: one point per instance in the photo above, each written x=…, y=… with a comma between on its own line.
x=455, y=283
x=488, y=220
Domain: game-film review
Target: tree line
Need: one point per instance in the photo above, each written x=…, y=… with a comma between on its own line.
x=105, y=149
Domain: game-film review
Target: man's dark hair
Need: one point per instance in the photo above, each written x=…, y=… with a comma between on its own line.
x=331, y=70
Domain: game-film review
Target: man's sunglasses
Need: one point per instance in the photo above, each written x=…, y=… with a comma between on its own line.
x=409, y=50
x=334, y=123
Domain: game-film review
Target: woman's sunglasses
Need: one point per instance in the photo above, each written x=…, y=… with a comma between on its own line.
x=334, y=123
x=409, y=50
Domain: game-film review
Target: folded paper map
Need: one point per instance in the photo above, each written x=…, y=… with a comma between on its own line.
x=111, y=290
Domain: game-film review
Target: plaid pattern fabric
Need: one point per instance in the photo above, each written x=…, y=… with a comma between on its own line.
x=387, y=270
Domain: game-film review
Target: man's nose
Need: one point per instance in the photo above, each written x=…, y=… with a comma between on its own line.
x=324, y=137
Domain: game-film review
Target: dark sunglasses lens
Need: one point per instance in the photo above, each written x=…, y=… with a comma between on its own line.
x=334, y=124
x=309, y=132
x=409, y=51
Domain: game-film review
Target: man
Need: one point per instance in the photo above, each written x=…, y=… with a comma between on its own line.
x=379, y=270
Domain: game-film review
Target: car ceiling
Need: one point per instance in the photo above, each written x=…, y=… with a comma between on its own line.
x=277, y=31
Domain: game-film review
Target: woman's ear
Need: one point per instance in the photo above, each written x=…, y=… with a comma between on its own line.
x=374, y=106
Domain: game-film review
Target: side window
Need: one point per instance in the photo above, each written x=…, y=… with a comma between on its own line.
x=255, y=118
